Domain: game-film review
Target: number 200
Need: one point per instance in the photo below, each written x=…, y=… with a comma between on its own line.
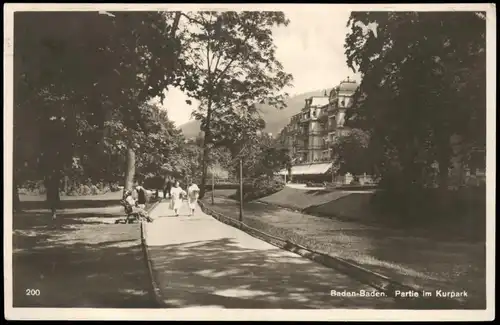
x=32, y=292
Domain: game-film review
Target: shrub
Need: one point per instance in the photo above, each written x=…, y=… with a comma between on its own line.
x=22, y=191
x=94, y=190
x=74, y=189
x=32, y=188
x=260, y=187
x=223, y=186
x=72, y=192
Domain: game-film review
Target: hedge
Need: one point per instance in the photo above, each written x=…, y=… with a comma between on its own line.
x=262, y=186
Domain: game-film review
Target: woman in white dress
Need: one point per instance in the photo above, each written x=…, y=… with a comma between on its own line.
x=193, y=193
x=176, y=198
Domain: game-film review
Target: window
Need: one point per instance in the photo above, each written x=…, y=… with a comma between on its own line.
x=342, y=133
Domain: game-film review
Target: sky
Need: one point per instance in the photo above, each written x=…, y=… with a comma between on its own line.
x=311, y=48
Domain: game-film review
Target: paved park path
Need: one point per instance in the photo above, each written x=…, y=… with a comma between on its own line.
x=199, y=262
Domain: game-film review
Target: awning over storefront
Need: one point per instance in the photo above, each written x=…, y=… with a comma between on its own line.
x=318, y=169
x=310, y=169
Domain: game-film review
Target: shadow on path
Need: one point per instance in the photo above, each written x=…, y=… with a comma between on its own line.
x=222, y=273
x=78, y=262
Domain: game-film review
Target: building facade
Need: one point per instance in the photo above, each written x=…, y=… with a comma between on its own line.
x=311, y=133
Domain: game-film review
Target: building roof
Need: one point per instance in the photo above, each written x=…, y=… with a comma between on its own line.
x=308, y=169
x=348, y=87
x=319, y=101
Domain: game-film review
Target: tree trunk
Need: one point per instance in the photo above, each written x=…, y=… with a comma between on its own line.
x=204, y=170
x=235, y=167
x=443, y=178
x=16, y=204
x=206, y=150
x=443, y=173
x=66, y=182
x=130, y=172
x=173, y=30
x=53, y=198
x=444, y=160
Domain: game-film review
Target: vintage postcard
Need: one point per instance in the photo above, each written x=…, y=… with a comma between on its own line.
x=249, y=162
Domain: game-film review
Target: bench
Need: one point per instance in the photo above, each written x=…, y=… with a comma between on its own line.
x=131, y=216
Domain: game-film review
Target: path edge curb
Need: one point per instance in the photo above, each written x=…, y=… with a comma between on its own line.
x=155, y=291
x=378, y=281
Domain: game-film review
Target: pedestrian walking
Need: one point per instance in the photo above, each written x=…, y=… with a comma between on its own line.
x=167, y=188
x=176, y=193
x=193, y=193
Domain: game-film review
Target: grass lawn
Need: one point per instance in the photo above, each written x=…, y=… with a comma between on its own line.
x=417, y=260
x=38, y=202
x=299, y=199
x=82, y=259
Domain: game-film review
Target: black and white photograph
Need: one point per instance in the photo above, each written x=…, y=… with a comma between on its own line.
x=249, y=161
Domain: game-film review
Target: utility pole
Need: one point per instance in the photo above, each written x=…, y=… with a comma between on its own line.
x=213, y=186
x=333, y=174
x=241, y=189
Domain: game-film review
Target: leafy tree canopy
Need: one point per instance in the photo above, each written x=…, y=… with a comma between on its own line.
x=232, y=60
x=424, y=81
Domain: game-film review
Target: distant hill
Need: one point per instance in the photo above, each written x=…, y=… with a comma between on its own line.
x=275, y=119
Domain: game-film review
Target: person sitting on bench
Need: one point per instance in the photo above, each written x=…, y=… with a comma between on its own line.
x=135, y=209
x=141, y=196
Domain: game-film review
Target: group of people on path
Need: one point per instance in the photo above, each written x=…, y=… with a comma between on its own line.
x=177, y=195
x=172, y=189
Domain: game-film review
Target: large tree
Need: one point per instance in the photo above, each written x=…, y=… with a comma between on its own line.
x=81, y=69
x=351, y=153
x=423, y=82
x=235, y=129
x=159, y=143
x=262, y=156
x=233, y=60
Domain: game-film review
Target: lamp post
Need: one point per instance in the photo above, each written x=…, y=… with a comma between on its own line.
x=333, y=174
x=241, y=190
x=213, y=187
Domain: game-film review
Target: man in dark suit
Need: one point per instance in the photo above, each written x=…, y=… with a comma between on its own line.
x=167, y=187
x=142, y=197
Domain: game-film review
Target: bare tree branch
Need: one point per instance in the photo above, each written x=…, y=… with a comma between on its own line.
x=191, y=19
x=217, y=78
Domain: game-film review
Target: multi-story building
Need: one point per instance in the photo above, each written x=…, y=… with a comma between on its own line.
x=310, y=129
x=310, y=134
x=341, y=99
